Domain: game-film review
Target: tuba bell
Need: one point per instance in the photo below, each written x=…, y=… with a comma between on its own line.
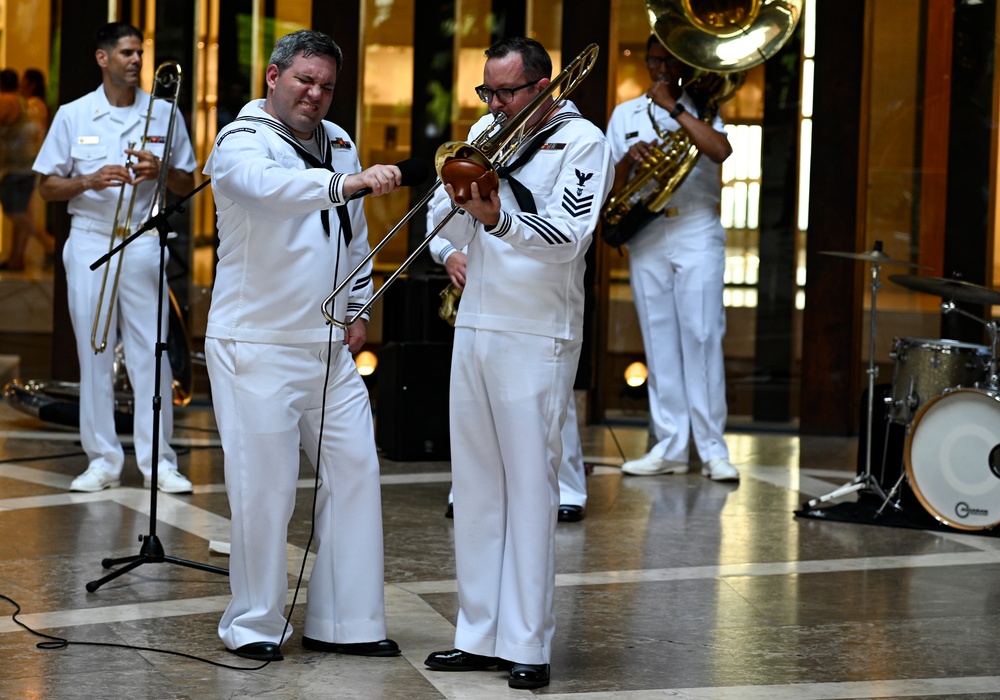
x=721, y=39
x=724, y=36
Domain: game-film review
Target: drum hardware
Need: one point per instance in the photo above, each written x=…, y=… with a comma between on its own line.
x=865, y=480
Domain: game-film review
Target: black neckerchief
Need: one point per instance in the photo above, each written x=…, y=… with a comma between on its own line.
x=325, y=149
x=521, y=193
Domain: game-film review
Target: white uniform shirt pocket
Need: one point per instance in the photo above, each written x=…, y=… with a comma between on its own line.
x=88, y=152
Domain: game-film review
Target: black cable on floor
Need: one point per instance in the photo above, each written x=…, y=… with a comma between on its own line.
x=54, y=643
x=62, y=643
x=41, y=457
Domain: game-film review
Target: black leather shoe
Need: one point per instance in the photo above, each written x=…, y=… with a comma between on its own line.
x=450, y=512
x=529, y=676
x=259, y=651
x=570, y=514
x=458, y=660
x=386, y=647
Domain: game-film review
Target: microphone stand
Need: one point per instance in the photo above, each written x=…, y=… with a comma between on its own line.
x=152, y=551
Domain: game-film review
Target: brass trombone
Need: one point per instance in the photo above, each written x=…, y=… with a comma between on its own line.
x=494, y=146
x=168, y=78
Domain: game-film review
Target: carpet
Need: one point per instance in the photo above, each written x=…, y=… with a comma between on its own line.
x=864, y=511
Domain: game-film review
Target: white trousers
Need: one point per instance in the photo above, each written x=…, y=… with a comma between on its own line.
x=509, y=398
x=134, y=315
x=572, y=474
x=677, y=282
x=268, y=399
x=572, y=477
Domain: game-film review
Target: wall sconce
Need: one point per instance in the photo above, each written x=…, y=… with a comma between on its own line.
x=636, y=374
x=367, y=363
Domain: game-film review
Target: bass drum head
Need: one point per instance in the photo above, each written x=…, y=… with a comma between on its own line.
x=952, y=457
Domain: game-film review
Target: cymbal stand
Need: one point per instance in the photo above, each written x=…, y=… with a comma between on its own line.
x=864, y=481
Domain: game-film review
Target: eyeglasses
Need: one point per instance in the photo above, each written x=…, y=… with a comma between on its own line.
x=654, y=62
x=505, y=95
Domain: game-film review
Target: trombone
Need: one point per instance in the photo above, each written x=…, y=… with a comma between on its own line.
x=476, y=161
x=168, y=77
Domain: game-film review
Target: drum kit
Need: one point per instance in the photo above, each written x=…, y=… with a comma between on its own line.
x=945, y=401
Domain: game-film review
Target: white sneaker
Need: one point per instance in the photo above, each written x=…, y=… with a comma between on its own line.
x=172, y=481
x=720, y=470
x=94, y=479
x=648, y=465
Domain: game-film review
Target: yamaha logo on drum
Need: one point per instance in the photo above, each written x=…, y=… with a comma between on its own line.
x=963, y=510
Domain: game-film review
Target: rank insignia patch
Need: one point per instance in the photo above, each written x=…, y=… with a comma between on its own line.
x=578, y=204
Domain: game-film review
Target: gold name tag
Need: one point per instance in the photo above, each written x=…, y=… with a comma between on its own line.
x=88, y=140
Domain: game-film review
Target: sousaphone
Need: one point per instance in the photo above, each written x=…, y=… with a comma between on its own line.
x=723, y=36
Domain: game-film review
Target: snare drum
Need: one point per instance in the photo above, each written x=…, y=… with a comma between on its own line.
x=952, y=456
x=924, y=368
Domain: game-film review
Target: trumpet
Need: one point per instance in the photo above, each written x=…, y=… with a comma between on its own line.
x=168, y=78
x=461, y=163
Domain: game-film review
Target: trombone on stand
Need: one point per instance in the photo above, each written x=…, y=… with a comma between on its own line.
x=866, y=480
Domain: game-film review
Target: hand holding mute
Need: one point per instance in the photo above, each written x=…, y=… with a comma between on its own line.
x=408, y=173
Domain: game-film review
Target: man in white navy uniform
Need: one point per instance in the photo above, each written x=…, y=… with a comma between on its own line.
x=280, y=374
x=572, y=471
x=516, y=349
x=92, y=151
x=676, y=265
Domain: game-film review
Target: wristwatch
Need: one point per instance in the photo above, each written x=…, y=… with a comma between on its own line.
x=677, y=111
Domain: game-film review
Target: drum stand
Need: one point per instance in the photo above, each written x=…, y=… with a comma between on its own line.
x=864, y=481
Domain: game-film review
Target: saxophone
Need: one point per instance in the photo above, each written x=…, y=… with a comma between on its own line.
x=450, y=296
x=659, y=174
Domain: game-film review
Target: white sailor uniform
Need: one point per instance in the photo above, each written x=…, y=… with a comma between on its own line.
x=516, y=349
x=267, y=346
x=86, y=135
x=676, y=267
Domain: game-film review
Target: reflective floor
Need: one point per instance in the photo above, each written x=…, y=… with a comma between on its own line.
x=672, y=586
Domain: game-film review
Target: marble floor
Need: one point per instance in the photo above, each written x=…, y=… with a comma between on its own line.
x=671, y=587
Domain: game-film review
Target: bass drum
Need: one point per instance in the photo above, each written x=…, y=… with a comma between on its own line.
x=59, y=402
x=952, y=456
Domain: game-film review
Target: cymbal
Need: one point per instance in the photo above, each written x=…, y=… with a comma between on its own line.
x=874, y=256
x=953, y=290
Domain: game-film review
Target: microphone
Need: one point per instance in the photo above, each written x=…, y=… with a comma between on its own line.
x=413, y=171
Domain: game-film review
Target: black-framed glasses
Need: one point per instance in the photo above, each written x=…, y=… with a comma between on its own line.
x=505, y=95
x=654, y=62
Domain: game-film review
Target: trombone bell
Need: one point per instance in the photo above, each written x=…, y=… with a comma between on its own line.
x=460, y=164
